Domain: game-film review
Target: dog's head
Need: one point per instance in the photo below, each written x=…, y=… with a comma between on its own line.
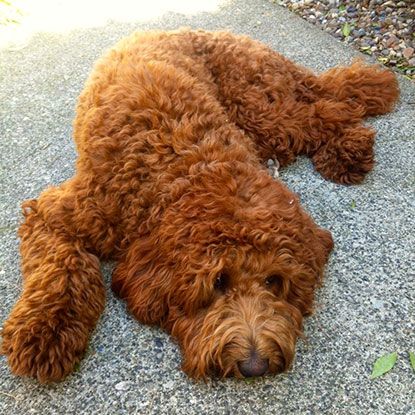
x=230, y=270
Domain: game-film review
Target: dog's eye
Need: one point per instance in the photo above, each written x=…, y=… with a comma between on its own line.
x=274, y=282
x=221, y=282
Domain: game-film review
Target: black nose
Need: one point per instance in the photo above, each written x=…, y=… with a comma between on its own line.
x=254, y=366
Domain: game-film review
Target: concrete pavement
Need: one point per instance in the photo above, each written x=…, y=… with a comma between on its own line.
x=366, y=307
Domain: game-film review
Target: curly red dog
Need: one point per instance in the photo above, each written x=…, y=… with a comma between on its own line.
x=172, y=130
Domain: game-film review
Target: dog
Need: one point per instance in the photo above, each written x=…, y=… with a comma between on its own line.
x=172, y=131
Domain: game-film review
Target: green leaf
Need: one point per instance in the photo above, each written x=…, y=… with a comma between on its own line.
x=346, y=29
x=412, y=359
x=342, y=8
x=353, y=204
x=366, y=50
x=384, y=364
x=249, y=380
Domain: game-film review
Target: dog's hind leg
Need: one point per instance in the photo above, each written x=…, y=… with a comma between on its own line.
x=340, y=147
x=63, y=295
x=346, y=157
x=315, y=123
x=328, y=131
x=287, y=110
x=374, y=89
x=347, y=95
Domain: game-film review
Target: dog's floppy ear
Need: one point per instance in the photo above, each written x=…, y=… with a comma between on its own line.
x=312, y=255
x=326, y=245
x=140, y=278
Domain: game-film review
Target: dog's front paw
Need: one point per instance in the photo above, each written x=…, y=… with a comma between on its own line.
x=42, y=346
x=348, y=158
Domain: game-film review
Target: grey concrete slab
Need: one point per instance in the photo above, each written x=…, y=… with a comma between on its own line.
x=365, y=309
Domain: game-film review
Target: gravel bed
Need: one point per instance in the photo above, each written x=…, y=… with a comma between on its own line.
x=384, y=29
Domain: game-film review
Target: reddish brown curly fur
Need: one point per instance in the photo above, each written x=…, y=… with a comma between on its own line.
x=171, y=130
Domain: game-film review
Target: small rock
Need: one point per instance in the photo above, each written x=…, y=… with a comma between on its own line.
x=361, y=32
x=408, y=52
x=158, y=342
x=391, y=40
x=168, y=385
x=411, y=62
x=385, y=52
x=401, y=4
x=122, y=386
x=378, y=304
